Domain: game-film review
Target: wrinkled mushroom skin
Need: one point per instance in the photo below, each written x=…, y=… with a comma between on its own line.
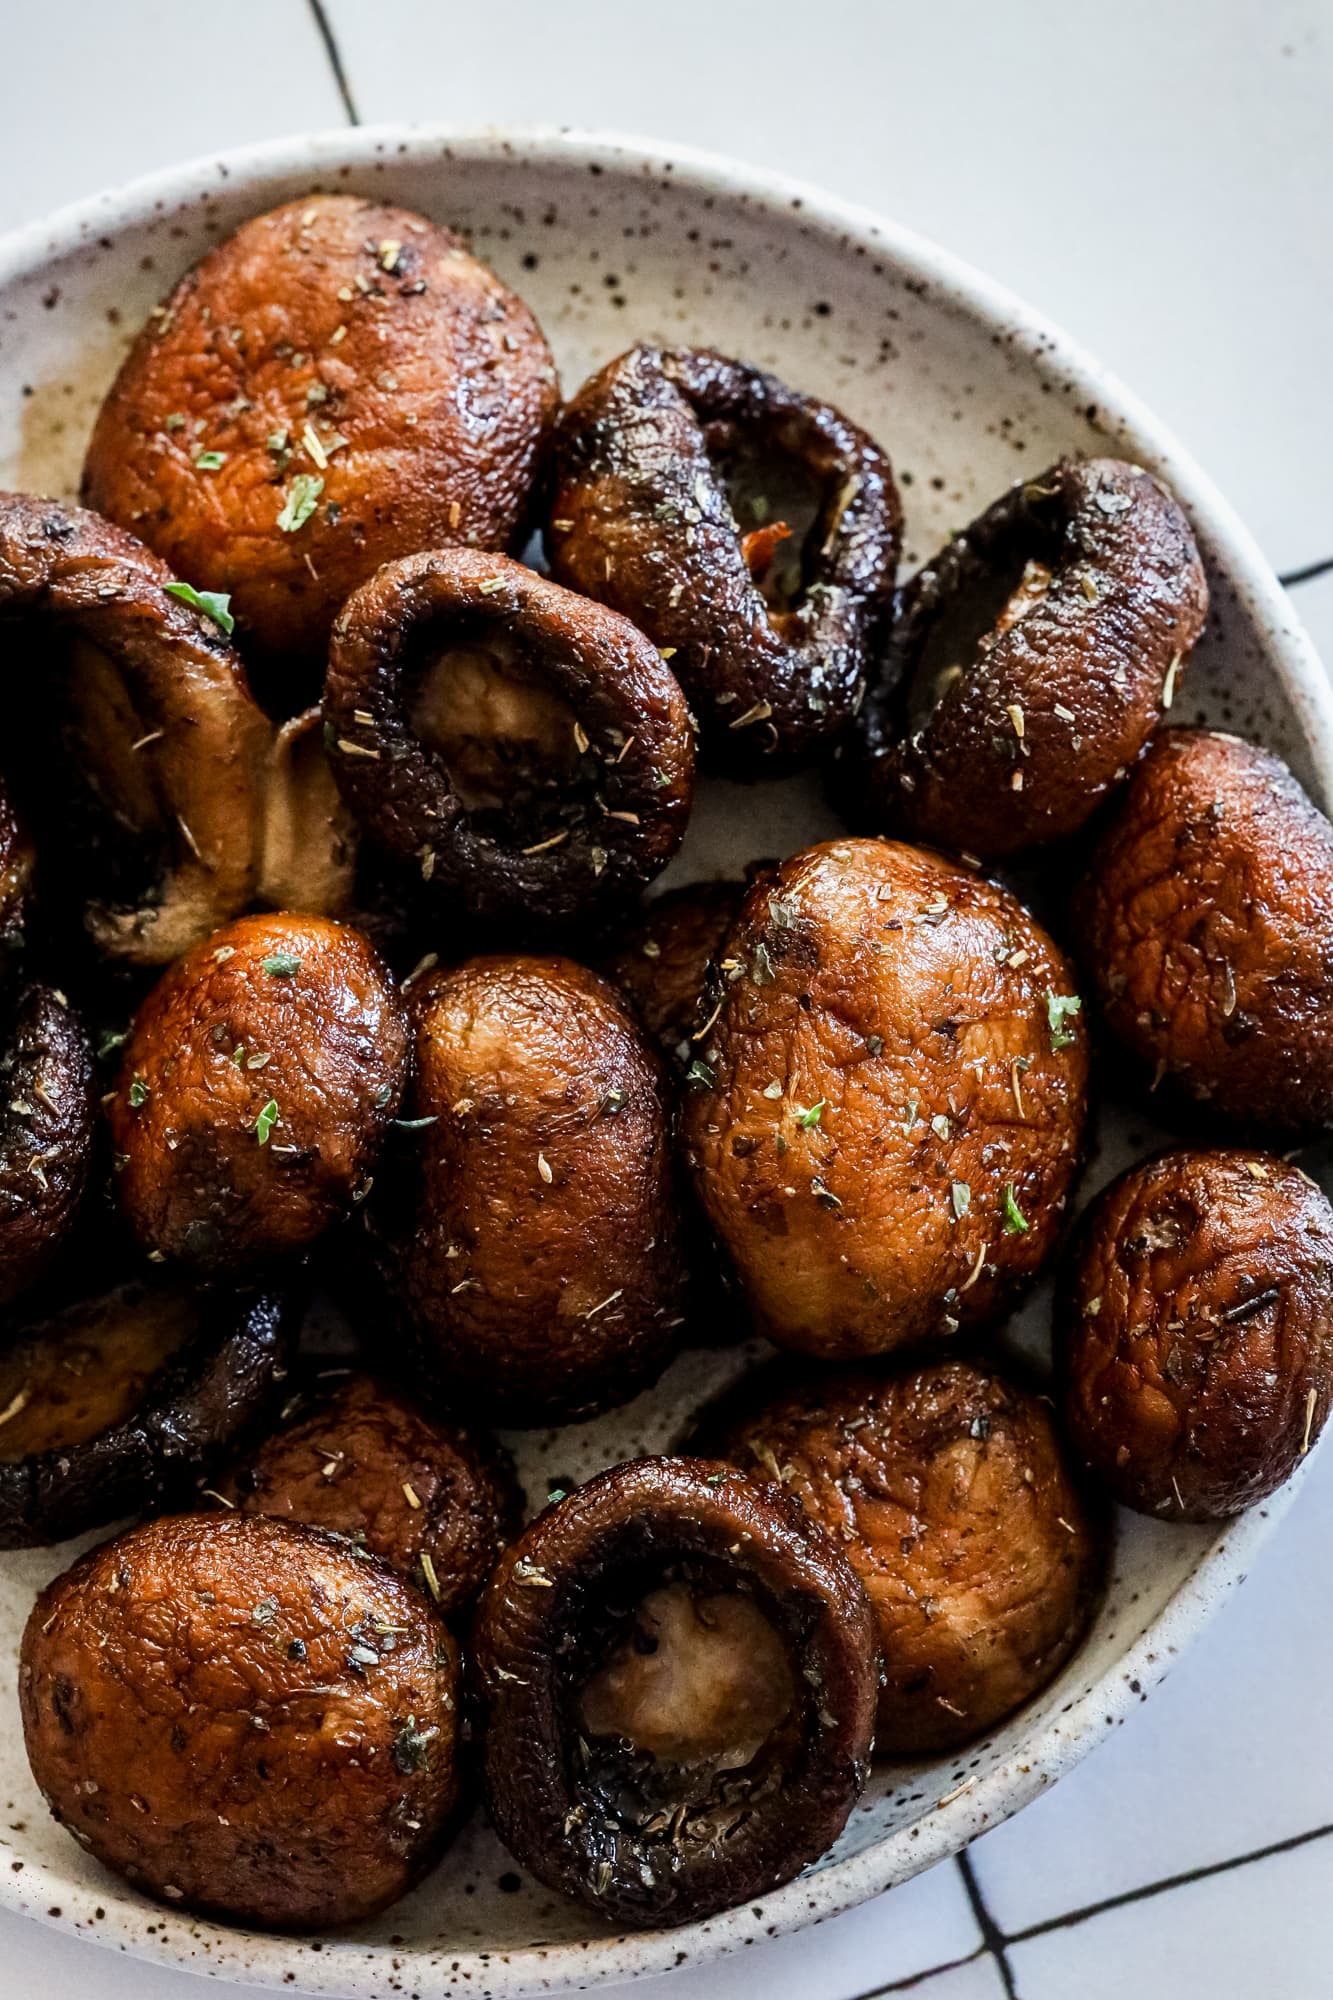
x=1206, y=921
x=1030, y=662
x=156, y=710
x=429, y=1498
x=310, y=839
x=1195, y=1331
x=245, y=1718
x=121, y=1400
x=885, y=1120
x=530, y=1235
x=678, y=1677
x=48, y=1113
x=674, y=472
x=525, y=749
x=947, y=1491
x=661, y=962
x=334, y=351
x=255, y=1089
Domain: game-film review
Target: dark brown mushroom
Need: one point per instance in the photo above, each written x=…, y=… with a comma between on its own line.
x=753, y=533
x=246, y=1718
x=258, y=1081
x=356, y=1456
x=1030, y=662
x=1194, y=1331
x=948, y=1492
x=309, y=856
x=661, y=961
x=156, y=714
x=48, y=1111
x=1205, y=921
x=678, y=1678
x=17, y=860
x=125, y=1399
x=336, y=384
x=525, y=749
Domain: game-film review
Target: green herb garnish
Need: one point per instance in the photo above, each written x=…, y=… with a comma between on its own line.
x=299, y=505
x=138, y=1093
x=213, y=603
x=700, y=1075
x=1015, y=1222
x=282, y=965
x=961, y=1195
x=209, y=461
x=266, y=1120
x=805, y=1119
x=1058, y=1007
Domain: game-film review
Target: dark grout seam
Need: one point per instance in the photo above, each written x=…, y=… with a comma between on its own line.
x=1308, y=574
x=334, y=54
x=992, y=1936
x=912, y=1980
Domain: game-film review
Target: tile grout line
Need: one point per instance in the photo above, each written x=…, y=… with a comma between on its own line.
x=912, y=1980
x=334, y=54
x=1307, y=574
x=992, y=1937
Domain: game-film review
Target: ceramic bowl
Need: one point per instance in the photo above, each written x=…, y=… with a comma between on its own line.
x=611, y=241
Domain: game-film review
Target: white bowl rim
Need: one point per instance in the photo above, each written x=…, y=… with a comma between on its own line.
x=356, y=1967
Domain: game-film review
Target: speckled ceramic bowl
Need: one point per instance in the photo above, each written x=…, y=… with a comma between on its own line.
x=610, y=242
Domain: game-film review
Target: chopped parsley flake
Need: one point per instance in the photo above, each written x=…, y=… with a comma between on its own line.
x=138, y=1093
x=699, y=1074
x=266, y=1120
x=213, y=603
x=1058, y=1007
x=805, y=1119
x=299, y=505
x=209, y=461
x=282, y=965
x=1015, y=1222
x=961, y=1195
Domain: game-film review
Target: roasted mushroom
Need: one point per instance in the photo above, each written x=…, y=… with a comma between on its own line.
x=157, y=715
x=48, y=1113
x=1206, y=922
x=309, y=855
x=17, y=860
x=526, y=749
x=121, y=1400
x=678, y=1677
x=256, y=1086
x=886, y=1112
x=1030, y=662
x=1195, y=1331
x=529, y=1232
x=245, y=1718
x=947, y=1491
x=661, y=962
x=356, y=1456
x=753, y=533
x=337, y=384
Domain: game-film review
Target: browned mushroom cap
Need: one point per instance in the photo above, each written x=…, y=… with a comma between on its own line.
x=245, y=1717
x=17, y=860
x=122, y=1399
x=1030, y=662
x=435, y=1501
x=1206, y=921
x=1195, y=1331
x=528, y=1229
x=337, y=384
x=156, y=711
x=947, y=1491
x=751, y=532
x=661, y=962
x=256, y=1086
x=525, y=748
x=48, y=1112
x=679, y=1678
x=886, y=1113
x=310, y=838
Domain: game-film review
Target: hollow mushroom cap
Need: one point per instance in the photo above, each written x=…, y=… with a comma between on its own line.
x=161, y=709
x=610, y=736
x=309, y=853
x=886, y=1115
x=1205, y=920
x=658, y=470
x=245, y=1718
x=615, y=1829
x=336, y=384
x=528, y=1230
x=948, y=1491
x=48, y=1113
x=254, y=1091
x=1029, y=663
x=1194, y=1331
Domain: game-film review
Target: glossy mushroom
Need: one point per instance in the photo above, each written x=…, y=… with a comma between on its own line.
x=752, y=532
x=48, y=1115
x=661, y=961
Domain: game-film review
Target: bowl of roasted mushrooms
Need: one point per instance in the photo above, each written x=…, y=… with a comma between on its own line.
x=666, y=1009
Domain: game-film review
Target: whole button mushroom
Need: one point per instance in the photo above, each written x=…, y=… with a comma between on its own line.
x=336, y=384
x=677, y=1675
x=887, y=1105
x=948, y=1491
x=528, y=1229
x=1206, y=922
x=1030, y=662
x=753, y=533
x=1194, y=1331
x=245, y=1718
x=255, y=1089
